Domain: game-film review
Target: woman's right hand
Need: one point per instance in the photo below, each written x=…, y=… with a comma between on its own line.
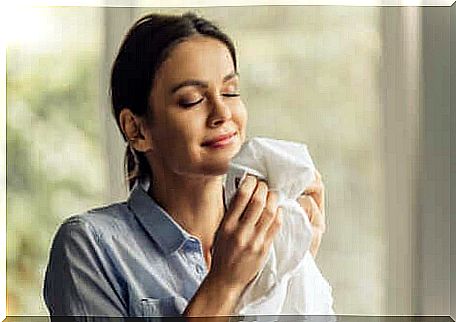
x=245, y=235
x=240, y=248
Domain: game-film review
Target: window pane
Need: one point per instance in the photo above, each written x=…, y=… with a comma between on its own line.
x=54, y=158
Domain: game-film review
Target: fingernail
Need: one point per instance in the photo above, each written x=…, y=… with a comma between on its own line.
x=249, y=178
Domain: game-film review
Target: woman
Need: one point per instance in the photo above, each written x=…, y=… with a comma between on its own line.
x=173, y=247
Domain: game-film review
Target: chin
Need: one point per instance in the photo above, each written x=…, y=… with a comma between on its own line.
x=217, y=168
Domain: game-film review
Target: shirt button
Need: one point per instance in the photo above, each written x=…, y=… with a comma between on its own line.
x=199, y=269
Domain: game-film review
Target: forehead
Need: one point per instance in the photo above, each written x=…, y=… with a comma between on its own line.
x=198, y=57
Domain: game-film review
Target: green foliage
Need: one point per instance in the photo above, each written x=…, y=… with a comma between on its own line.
x=53, y=158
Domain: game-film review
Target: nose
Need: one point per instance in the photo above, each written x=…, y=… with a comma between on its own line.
x=221, y=112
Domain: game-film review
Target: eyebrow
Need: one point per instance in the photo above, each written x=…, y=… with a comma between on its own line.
x=200, y=83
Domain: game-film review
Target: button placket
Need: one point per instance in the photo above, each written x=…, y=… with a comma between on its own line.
x=194, y=256
x=199, y=260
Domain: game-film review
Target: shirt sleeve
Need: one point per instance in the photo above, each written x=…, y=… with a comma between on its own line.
x=76, y=281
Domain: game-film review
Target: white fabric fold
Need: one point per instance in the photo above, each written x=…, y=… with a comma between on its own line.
x=289, y=281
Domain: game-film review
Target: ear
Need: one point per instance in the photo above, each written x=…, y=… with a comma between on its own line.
x=136, y=130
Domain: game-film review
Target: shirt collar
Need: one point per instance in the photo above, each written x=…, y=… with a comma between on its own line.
x=155, y=220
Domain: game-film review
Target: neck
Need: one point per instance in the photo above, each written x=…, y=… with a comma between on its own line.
x=195, y=203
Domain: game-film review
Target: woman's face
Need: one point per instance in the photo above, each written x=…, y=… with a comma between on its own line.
x=195, y=105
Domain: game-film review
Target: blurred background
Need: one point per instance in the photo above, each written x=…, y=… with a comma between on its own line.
x=366, y=88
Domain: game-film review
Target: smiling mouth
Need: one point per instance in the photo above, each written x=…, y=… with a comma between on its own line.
x=221, y=141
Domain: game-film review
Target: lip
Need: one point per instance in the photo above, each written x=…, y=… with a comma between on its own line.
x=222, y=139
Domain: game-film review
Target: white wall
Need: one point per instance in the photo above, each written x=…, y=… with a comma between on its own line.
x=453, y=162
x=434, y=175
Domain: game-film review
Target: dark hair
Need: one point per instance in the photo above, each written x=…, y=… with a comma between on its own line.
x=146, y=45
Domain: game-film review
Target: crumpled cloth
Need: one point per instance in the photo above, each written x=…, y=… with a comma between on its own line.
x=289, y=281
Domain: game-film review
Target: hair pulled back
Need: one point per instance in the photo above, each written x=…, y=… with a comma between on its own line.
x=146, y=45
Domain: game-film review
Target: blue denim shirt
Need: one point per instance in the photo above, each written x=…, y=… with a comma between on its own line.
x=126, y=259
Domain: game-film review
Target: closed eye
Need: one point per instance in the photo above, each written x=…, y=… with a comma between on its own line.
x=190, y=104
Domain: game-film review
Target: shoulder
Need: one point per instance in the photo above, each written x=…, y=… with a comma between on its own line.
x=80, y=278
x=98, y=222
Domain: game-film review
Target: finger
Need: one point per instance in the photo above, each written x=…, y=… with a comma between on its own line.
x=318, y=198
x=317, y=175
x=317, y=191
x=256, y=205
x=318, y=218
x=315, y=187
x=315, y=243
x=269, y=212
x=240, y=201
x=306, y=205
x=273, y=227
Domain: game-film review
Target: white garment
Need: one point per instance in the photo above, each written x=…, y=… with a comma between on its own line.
x=289, y=282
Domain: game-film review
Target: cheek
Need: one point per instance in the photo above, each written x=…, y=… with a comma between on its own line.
x=184, y=132
x=240, y=115
x=167, y=137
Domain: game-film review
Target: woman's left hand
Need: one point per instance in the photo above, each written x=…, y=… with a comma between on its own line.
x=313, y=202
